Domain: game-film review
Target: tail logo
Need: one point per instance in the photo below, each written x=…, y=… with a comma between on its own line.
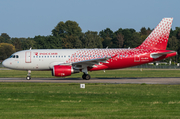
x=159, y=36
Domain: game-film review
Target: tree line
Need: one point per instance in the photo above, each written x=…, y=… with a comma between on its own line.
x=68, y=35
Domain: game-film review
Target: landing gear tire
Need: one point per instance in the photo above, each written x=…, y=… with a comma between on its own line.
x=86, y=76
x=28, y=78
x=28, y=75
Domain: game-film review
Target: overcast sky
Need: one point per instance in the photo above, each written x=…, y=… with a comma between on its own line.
x=29, y=18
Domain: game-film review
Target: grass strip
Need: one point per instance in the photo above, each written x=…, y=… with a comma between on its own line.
x=101, y=101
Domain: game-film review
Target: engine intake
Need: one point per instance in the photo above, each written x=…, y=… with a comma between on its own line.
x=63, y=70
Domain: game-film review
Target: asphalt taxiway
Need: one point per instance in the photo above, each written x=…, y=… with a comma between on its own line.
x=98, y=80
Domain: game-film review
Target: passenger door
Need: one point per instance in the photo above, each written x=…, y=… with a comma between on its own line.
x=28, y=57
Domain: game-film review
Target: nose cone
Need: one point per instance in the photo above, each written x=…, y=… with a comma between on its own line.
x=5, y=63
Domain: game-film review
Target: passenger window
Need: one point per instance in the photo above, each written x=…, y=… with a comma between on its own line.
x=33, y=56
x=42, y=56
x=64, y=56
x=36, y=56
x=45, y=56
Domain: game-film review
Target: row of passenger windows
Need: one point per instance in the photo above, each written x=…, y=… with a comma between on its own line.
x=78, y=56
x=50, y=56
x=14, y=56
x=17, y=56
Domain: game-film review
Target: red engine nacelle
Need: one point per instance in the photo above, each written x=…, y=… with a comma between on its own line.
x=63, y=70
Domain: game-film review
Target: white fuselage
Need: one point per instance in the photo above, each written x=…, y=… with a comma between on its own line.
x=43, y=59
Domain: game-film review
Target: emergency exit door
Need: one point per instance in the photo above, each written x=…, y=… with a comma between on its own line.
x=28, y=57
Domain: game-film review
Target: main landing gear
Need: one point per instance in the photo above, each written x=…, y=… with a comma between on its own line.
x=28, y=75
x=86, y=76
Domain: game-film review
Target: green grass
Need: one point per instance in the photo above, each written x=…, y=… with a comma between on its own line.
x=98, y=74
x=101, y=101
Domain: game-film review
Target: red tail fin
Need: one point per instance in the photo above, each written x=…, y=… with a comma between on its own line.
x=159, y=36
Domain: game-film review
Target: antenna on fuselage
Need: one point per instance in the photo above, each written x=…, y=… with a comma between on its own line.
x=30, y=48
x=107, y=47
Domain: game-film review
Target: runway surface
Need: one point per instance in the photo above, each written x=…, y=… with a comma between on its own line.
x=98, y=80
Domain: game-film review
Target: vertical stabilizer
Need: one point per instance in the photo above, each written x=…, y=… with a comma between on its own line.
x=159, y=36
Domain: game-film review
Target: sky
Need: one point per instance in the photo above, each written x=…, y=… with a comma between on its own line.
x=30, y=18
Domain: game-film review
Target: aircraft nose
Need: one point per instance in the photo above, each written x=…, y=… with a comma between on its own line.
x=4, y=63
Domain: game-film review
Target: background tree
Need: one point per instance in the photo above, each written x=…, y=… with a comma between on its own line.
x=6, y=37
x=91, y=39
x=107, y=36
x=27, y=43
x=17, y=43
x=120, y=40
x=2, y=40
x=127, y=37
x=6, y=50
x=70, y=33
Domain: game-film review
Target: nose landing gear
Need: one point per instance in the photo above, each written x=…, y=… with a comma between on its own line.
x=28, y=75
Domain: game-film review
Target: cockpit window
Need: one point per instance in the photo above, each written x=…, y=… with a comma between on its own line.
x=14, y=56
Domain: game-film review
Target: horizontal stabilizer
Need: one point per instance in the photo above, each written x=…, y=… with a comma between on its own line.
x=157, y=55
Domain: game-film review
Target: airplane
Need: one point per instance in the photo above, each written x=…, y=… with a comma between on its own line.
x=64, y=62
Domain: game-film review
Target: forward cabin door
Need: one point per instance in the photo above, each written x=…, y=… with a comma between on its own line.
x=28, y=57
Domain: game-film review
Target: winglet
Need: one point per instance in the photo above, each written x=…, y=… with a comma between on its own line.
x=159, y=36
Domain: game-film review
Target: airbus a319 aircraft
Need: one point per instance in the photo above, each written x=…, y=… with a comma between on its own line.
x=64, y=62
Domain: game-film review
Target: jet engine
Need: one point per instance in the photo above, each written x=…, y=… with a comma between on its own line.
x=63, y=70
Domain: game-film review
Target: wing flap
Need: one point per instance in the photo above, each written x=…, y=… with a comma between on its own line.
x=92, y=62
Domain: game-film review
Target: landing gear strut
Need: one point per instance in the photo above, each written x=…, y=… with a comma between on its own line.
x=86, y=76
x=28, y=75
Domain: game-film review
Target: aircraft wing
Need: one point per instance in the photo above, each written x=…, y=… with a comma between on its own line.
x=91, y=62
x=84, y=63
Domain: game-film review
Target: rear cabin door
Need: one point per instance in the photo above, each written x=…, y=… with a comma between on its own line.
x=136, y=58
x=28, y=57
